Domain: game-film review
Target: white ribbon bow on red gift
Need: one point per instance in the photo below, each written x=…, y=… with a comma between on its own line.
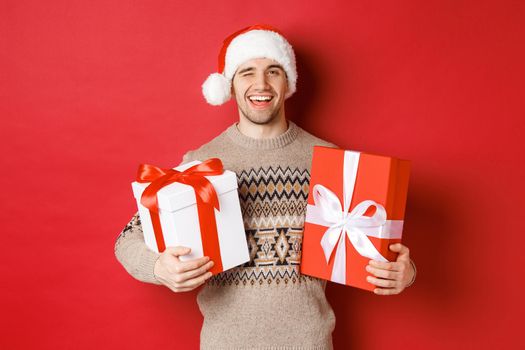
x=327, y=211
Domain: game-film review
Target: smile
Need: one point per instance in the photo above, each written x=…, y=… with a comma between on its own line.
x=260, y=101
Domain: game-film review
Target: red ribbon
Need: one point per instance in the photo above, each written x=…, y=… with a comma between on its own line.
x=205, y=194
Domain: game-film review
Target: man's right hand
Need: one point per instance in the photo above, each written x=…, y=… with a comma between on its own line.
x=181, y=276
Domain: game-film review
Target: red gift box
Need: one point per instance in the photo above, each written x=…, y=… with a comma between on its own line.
x=355, y=211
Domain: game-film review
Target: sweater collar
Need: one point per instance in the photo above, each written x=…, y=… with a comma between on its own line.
x=268, y=143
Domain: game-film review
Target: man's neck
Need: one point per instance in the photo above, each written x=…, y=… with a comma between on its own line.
x=262, y=131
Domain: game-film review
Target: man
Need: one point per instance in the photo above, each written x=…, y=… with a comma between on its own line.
x=265, y=303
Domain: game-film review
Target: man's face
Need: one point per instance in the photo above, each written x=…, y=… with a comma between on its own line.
x=259, y=86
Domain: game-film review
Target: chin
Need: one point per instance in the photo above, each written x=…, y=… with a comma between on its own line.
x=260, y=118
x=260, y=121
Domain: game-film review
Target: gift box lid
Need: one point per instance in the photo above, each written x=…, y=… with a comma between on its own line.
x=381, y=178
x=177, y=195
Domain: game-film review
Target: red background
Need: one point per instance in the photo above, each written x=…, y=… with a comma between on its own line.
x=90, y=89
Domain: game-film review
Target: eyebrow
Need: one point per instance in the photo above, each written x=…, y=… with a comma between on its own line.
x=247, y=69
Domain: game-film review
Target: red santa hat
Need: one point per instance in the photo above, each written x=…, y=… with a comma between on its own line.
x=257, y=41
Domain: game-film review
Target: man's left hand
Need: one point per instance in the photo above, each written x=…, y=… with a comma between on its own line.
x=391, y=277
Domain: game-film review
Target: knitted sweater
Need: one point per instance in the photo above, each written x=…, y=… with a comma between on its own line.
x=265, y=303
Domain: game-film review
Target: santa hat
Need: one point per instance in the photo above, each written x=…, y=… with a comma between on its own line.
x=257, y=41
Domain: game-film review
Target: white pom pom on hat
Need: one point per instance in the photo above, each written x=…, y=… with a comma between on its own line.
x=216, y=89
x=257, y=41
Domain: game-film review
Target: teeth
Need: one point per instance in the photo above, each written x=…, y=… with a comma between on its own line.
x=260, y=98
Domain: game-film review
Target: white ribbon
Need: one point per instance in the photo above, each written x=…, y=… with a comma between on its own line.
x=327, y=211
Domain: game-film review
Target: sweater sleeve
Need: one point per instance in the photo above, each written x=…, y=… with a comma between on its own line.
x=133, y=253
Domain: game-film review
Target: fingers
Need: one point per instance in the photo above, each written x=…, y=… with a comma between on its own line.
x=178, y=250
x=184, y=266
x=181, y=276
x=194, y=282
x=382, y=282
x=391, y=266
x=388, y=274
x=404, y=252
x=178, y=289
x=389, y=287
x=387, y=291
x=195, y=272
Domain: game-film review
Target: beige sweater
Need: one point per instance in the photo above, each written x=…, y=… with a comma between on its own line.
x=265, y=303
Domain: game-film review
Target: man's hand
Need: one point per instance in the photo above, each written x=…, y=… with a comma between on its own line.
x=392, y=276
x=181, y=276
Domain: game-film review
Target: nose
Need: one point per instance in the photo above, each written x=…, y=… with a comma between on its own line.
x=261, y=81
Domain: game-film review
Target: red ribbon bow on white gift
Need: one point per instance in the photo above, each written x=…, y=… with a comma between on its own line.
x=328, y=211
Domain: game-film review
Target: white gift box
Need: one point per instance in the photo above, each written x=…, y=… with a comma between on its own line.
x=180, y=222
